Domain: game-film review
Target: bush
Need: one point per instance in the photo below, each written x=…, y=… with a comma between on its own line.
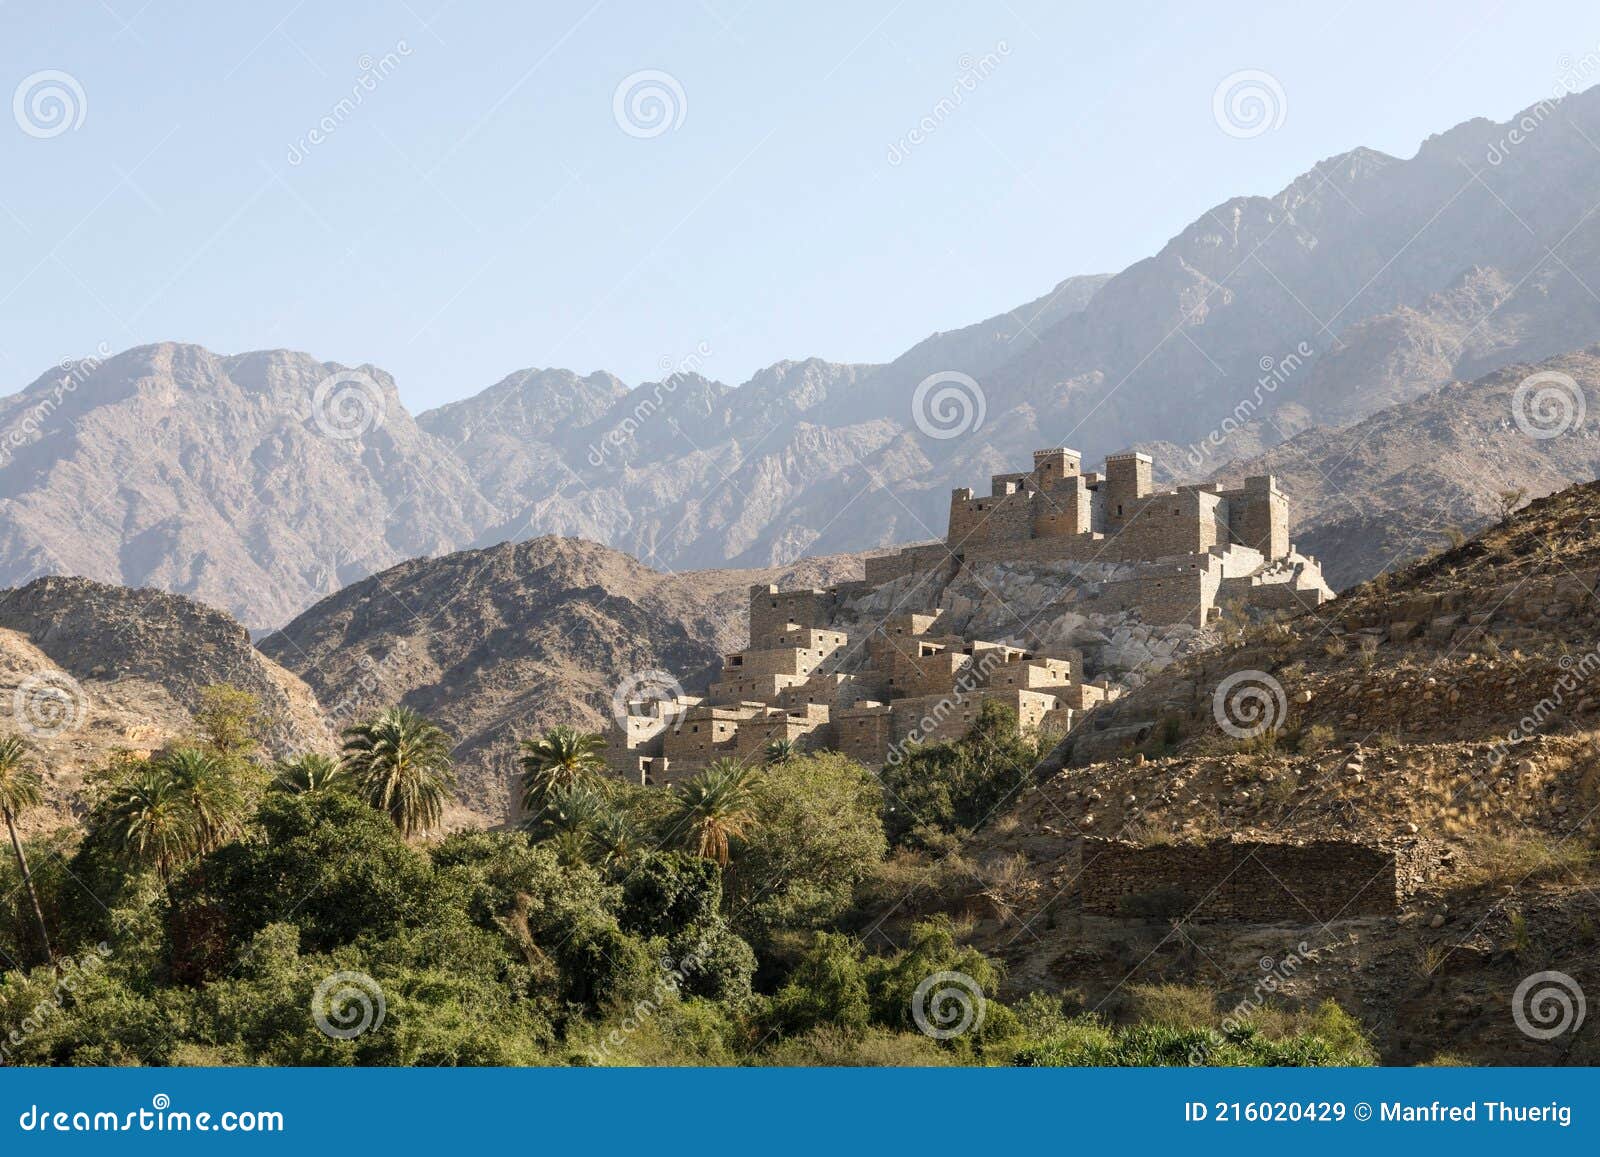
x=948, y=786
x=819, y=833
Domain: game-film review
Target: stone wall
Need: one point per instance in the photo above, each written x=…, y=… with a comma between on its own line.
x=1253, y=882
x=912, y=560
x=772, y=610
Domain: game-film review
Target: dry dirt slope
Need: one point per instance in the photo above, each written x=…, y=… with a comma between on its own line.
x=1413, y=683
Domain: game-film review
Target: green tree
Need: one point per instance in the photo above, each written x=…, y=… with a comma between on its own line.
x=779, y=751
x=559, y=759
x=212, y=791
x=309, y=773
x=149, y=819
x=19, y=791
x=947, y=786
x=401, y=765
x=230, y=720
x=715, y=808
x=819, y=834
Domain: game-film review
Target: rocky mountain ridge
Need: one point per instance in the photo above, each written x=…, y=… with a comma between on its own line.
x=262, y=482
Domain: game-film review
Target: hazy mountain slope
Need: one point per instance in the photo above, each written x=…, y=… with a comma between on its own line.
x=497, y=644
x=171, y=467
x=1378, y=493
x=1362, y=235
x=1366, y=283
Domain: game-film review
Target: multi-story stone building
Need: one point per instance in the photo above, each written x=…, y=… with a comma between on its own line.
x=1180, y=554
x=911, y=684
x=1193, y=548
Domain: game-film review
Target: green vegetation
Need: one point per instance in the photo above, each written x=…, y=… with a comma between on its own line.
x=401, y=765
x=949, y=787
x=1523, y=856
x=218, y=910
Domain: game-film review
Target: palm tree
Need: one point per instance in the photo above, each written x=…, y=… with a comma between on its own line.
x=615, y=838
x=19, y=791
x=560, y=758
x=716, y=806
x=401, y=765
x=150, y=817
x=310, y=773
x=210, y=788
x=779, y=751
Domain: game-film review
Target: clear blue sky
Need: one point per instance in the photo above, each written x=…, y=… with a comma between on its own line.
x=481, y=210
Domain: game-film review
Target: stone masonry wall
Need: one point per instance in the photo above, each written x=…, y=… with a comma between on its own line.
x=1251, y=881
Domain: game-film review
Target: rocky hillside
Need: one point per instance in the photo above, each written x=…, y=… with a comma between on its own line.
x=500, y=643
x=86, y=669
x=1372, y=496
x=265, y=481
x=1452, y=702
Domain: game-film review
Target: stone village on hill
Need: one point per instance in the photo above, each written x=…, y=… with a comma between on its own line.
x=1193, y=550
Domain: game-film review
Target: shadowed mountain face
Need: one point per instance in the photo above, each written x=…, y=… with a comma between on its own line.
x=262, y=482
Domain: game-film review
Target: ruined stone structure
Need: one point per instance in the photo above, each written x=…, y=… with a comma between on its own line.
x=1195, y=547
x=914, y=685
x=1170, y=556
x=1252, y=881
